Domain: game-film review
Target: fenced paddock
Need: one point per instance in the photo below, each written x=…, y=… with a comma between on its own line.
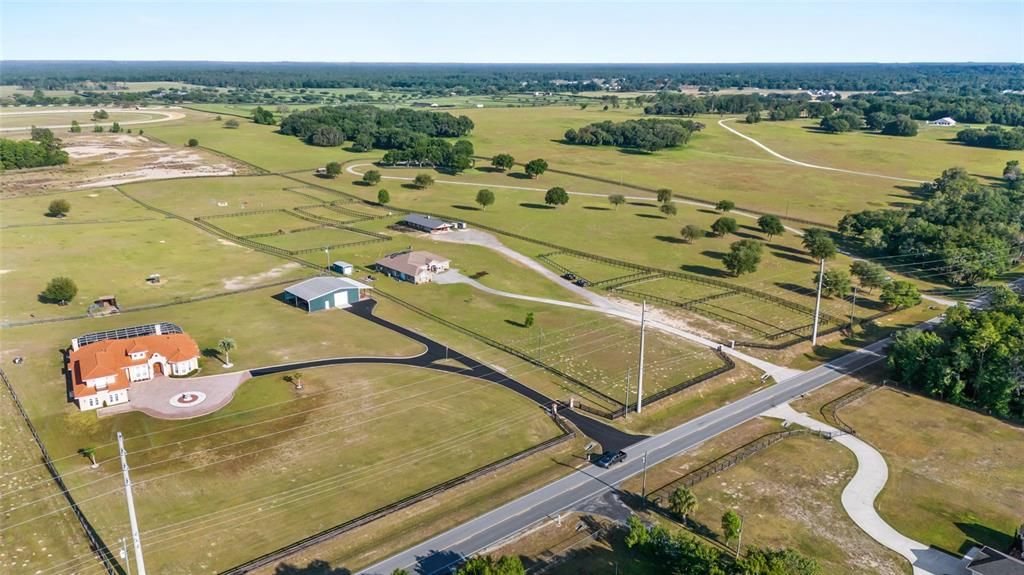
x=257, y=222
x=317, y=237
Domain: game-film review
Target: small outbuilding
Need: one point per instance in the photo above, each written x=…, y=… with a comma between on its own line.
x=326, y=292
x=431, y=224
x=343, y=268
x=947, y=121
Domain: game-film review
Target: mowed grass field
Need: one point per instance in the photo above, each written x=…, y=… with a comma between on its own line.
x=922, y=157
x=116, y=258
x=956, y=477
x=277, y=465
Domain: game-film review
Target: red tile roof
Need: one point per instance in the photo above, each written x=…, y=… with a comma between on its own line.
x=112, y=356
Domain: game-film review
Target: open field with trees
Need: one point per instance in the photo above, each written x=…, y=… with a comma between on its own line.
x=962, y=494
x=349, y=428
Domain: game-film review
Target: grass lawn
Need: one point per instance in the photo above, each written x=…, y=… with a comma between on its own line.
x=259, y=223
x=789, y=496
x=116, y=258
x=97, y=205
x=24, y=479
x=922, y=157
x=325, y=236
x=269, y=469
x=955, y=476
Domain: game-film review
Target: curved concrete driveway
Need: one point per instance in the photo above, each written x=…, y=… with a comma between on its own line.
x=805, y=164
x=167, y=116
x=859, y=499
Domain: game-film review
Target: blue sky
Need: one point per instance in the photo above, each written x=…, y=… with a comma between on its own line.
x=537, y=31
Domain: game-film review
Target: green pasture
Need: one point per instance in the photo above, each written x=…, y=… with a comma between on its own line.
x=260, y=223
x=95, y=205
x=316, y=238
x=636, y=232
x=921, y=157
x=974, y=500
x=116, y=258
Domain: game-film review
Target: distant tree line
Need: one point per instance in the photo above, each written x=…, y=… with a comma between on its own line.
x=973, y=358
x=383, y=127
x=648, y=135
x=978, y=108
x=497, y=78
x=43, y=149
x=436, y=152
x=964, y=232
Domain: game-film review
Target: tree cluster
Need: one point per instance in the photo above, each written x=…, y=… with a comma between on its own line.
x=993, y=137
x=42, y=150
x=679, y=553
x=648, y=134
x=433, y=152
x=965, y=232
x=973, y=358
x=387, y=129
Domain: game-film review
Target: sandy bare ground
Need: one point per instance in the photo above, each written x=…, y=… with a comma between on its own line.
x=105, y=159
x=242, y=282
x=167, y=114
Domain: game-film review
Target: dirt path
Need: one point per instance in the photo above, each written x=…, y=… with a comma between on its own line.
x=598, y=303
x=167, y=113
x=805, y=164
x=859, y=495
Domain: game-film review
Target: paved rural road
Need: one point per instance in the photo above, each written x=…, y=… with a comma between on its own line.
x=443, y=551
x=167, y=116
x=438, y=554
x=805, y=164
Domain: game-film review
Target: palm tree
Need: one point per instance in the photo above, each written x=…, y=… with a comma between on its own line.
x=90, y=452
x=683, y=502
x=226, y=345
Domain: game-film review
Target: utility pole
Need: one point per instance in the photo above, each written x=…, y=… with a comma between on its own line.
x=643, y=492
x=136, y=541
x=327, y=251
x=640, y=367
x=629, y=379
x=817, y=303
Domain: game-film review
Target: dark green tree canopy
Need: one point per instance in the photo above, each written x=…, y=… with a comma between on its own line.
x=536, y=167
x=724, y=225
x=60, y=289
x=648, y=135
x=743, y=257
x=556, y=197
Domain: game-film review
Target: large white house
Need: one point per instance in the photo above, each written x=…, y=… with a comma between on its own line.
x=103, y=371
x=947, y=121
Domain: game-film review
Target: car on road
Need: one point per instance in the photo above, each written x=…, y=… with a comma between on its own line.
x=569, y=276
x=610, y=458
x=582, y=282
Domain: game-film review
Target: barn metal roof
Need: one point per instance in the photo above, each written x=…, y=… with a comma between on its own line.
x=321, y=286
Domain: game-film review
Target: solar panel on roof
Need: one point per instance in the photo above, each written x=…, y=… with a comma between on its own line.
x=128, y=332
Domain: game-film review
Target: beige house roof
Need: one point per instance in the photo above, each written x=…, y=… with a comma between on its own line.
x=412, y=263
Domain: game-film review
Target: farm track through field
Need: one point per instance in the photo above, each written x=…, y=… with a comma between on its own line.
x=167, y=116
x=813, y=166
